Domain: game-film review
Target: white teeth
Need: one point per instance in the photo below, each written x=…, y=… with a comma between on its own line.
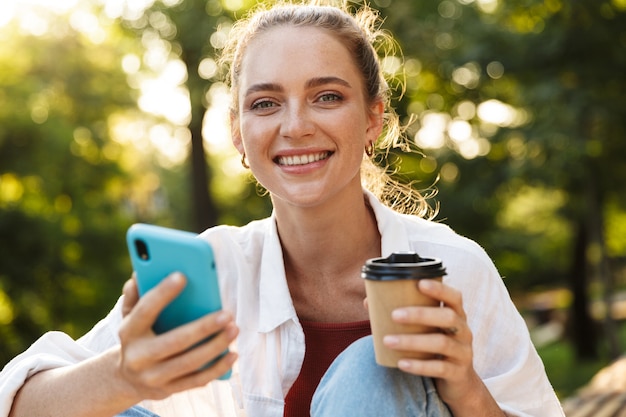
x=302, y=159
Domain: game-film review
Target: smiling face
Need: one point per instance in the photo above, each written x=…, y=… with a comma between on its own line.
x=303, y=119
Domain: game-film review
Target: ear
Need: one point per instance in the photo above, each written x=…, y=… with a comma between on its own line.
x=235, y=132
x=375, y=122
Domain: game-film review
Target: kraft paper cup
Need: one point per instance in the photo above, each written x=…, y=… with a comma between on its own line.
x=391, y=283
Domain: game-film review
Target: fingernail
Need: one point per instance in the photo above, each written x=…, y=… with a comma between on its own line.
x=177, y=278
x=426, y=284
x=399, y=314
x=391, y=340
x=222, y=317
x=404, y=364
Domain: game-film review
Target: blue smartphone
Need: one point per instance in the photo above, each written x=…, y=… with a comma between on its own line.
x=156, y=252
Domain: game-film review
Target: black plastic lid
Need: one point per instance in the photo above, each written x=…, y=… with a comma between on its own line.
x=402, y=265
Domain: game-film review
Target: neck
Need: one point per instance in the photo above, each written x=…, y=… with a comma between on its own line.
x=341, y=232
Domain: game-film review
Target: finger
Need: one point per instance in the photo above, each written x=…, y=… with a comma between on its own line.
x=433, y=368
x=184, y=337
x=196, y=359
x=441, y=317
x=150, y=305
x=190, y=361
x=131, y=295
x=150, y=356
x=158, y=384
x=204, y=376
x=433, y=343
x=451, y=297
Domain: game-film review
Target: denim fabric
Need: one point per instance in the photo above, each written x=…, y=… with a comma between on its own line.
x=137, y=411
x=355, y=385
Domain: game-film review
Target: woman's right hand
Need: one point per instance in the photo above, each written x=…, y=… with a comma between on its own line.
x=157, y=366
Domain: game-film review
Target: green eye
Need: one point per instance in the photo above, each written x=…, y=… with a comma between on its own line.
x=263, y=104
x=330, y=97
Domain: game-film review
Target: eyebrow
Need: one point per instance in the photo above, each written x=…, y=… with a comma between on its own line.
x=263, y=87
x=314, y=82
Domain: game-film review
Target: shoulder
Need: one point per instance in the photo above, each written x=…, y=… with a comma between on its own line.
x=441, y=239
x=238, y=252
x=251, y=234
x=428, y=238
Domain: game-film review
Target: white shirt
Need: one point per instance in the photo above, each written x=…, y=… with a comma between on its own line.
x=253, y=287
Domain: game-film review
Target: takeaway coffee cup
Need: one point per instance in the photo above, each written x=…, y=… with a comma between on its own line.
x=391, y=283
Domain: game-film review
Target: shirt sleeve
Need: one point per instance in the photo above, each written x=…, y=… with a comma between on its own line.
x=504, y=355
x=54, y=350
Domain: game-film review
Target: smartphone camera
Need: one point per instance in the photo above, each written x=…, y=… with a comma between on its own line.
x=142, y=249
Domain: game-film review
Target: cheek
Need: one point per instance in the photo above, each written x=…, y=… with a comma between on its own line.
x=248, y=133
x=354, y=133
x=255, y=136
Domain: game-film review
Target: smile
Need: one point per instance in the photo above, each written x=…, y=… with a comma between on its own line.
x=302, y=159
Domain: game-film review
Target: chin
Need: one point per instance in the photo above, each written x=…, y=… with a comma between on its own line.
x=301, y=198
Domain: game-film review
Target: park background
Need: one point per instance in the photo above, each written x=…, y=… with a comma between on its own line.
x=113, y=112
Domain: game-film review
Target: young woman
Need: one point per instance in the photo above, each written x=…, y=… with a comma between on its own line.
x=309, y=107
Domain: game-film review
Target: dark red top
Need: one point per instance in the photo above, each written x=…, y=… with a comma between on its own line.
x=324, y=342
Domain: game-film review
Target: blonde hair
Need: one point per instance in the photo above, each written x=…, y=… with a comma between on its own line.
x=360, y=31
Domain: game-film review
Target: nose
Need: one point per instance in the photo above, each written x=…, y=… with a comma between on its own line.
x=297, y=121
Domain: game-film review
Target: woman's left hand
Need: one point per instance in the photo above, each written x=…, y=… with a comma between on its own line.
x=452, y=367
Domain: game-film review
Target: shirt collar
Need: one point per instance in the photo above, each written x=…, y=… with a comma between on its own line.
x=393, y=235
x=275, y=303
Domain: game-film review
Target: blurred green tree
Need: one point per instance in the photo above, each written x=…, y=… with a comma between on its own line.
x=77, y=167
x=520, y=117
x=194, y=31
x=62, y=193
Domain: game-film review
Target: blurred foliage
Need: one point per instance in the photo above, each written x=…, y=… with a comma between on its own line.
x=554, y=85
x=68, y=191
x=518, y=118
x=62, y=190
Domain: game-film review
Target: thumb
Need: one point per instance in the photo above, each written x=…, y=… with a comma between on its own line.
x=131, y=295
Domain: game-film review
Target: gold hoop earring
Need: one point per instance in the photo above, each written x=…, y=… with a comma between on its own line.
x=369, y=149
x=243, y=161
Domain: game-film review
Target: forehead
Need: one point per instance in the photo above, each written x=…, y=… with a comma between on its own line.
x=285, y=52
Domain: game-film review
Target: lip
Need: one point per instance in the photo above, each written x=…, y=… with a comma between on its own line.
x=300, y=159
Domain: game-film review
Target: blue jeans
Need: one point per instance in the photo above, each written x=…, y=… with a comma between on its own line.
x=355, y=385
x=137, y=411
